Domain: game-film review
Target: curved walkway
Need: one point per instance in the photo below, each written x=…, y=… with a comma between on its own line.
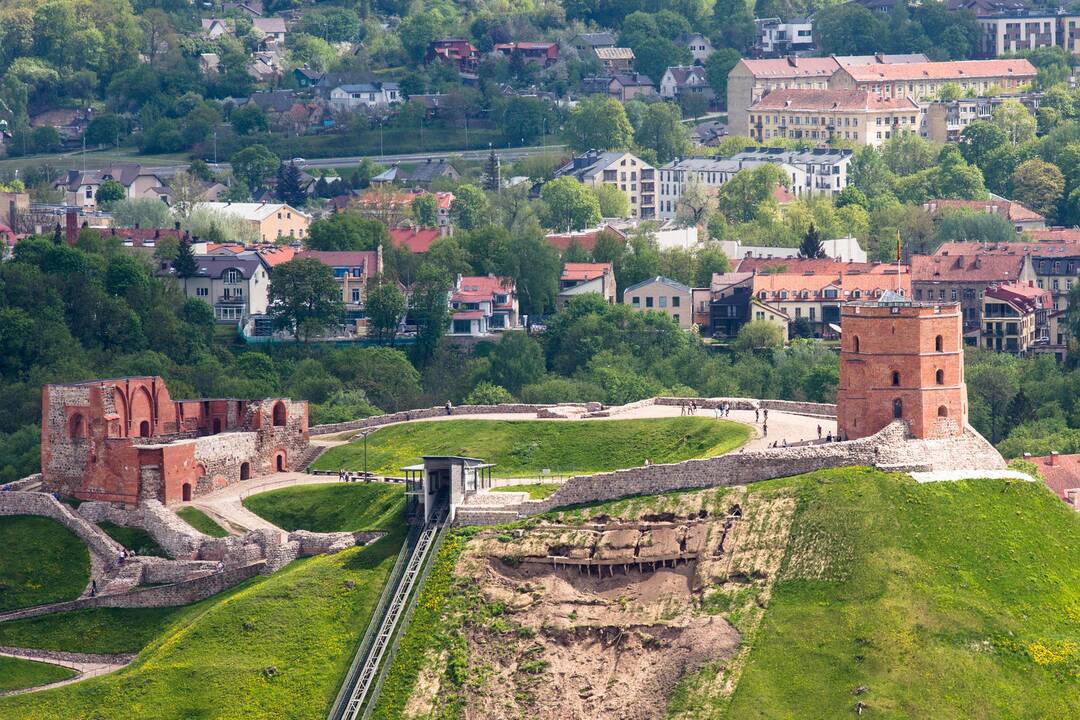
x=86, y=666
x=226, y=505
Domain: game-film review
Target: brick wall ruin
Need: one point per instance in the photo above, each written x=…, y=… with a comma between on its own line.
x=126, y=440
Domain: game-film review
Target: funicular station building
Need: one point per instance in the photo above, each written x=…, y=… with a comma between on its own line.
x=441, y=483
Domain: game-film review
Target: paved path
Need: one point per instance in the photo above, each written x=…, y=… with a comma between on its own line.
x=225, y=505
x=86, y=666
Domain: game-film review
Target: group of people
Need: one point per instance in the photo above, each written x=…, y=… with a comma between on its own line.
x=346, y=476
x=723, y=410
x=688, y=407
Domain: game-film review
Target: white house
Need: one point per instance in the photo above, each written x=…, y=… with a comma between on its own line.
x=699, y=46
x=365, y=95
x=483, y=304
x=236, y=286
x=681, y=80
x=777, y=37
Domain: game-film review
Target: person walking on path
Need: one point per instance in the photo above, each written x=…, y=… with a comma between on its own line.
x=93, y=588
x=818, y=432
x=765, y=429
x=757, y=415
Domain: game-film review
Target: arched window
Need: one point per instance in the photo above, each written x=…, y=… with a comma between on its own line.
x=940, y=377
x=279, y=414
x=895, y=377
x=144, y=428
x=898, y=408
x=939, y=344
x=76, y=426
x=245, y=471
x=856, y=344
x=942, y=411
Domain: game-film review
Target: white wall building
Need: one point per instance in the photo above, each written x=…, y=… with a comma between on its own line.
x=365, y=95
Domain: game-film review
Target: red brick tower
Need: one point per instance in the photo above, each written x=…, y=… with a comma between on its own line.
x=901, y=360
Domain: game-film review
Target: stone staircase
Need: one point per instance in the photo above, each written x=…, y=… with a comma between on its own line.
x=310, y=455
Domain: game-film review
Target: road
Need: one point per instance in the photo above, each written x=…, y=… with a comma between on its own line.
x=504, y=154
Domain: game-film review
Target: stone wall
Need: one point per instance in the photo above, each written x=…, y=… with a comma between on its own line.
x=175, y=536
x=220, y=458
x=423, y=414
x=182, y=593
x=63, y=658
x=34, y=503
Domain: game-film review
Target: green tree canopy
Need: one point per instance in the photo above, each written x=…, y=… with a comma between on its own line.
x=305, y=298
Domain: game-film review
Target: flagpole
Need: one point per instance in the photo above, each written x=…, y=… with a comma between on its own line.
x=898, y=261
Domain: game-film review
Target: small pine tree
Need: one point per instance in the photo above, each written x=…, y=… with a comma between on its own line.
x=322, y=188
x=493, y=173
x=811, y=244
x=185, y=263
x=357, y=180
x=289, y=188
x=58, y=235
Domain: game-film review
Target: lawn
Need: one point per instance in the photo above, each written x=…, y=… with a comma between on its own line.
x=97, y=630
x=42, y=562
x=523, y=448
x=132, y=538
x=944, y=600
x=537, y=491
x=332, y=507
x=202, y=522
x=16, y=674
x=274, y=647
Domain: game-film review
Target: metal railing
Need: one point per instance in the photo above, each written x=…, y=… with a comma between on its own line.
x=410, y=567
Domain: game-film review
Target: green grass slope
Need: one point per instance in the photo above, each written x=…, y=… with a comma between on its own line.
x=522, y=448
x=133, y=538
x=41, y=562
x=332, y=507
x=274, y=647
x=202, y=522
x=16, y=674
x=96, y=630
x=945, y=600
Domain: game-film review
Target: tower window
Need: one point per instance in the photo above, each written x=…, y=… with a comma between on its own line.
x=938, y=344
x=895, y=378
x=940, y=377
x=856, y=343
x=898, y=408
x=942, y=411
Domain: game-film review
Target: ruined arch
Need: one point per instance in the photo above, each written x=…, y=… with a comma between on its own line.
x=281, y=461
x=120, y=404
x=76, y=427
x=142, y=413
x=280, y=415
x=942, y=411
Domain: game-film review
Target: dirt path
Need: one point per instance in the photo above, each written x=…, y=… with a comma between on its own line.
x=87, y=666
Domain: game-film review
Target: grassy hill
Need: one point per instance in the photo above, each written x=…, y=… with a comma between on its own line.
x=42, y=562
x=16, y=673
x=947, y=600
x=202, y=522
x=331, y=507
x=522, y=448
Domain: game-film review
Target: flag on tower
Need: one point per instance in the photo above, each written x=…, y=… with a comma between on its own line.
x=897, y=244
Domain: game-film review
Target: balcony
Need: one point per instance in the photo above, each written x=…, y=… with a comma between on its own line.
x=232, y=301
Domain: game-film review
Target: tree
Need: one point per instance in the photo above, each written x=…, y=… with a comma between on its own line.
x=811, y=244
x=710, y=259
x=735, y=25
x=185, y=265
x=333, y=24
x=613, y=201
x=717, y=68
x=253, y=165
x=979, y=139
x=955, y=178
x=1015, y=121
x=289, y=189
x=693, y=205
x=848, y=29
x=492, y=173
x=748, y=192
x=486, y=393
x=759, y=335
x=417, y=31
x=249, y=119
x=1038, y=185
x=907, y=153
x=384, y=308
x=599, y=123
x=657, y=54
x=305, y=298
x=144, y=212
x=425, y=210
x=516, y=361
x=641, y=260
x=570, y=205
x=110, y=192
x=429, y=309
x=470, y=208
x=534, y=266
x=347, y=230
x=869, y=173
x=661, y=131
x=105, y=130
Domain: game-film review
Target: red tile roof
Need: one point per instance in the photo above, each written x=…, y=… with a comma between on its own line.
x=792, y=67
x=1025, y=298
x=1013, y=211
x=584, y=272
x=868, y=284
x=376, y=198
x=482, y=287
x=417, y=240
x=586, y=240
x=783, y=195
x=1063, y=475
x=825, y=100
x=953, y=70
x=368, y=259
x=1070, y=235
x=816, y=266
x=469, y=315
x=277, y=254
x=966, y=268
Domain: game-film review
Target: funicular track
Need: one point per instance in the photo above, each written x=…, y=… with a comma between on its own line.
x=372, y=659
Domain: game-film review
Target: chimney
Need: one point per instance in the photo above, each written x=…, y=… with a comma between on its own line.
x=793, y=60
x=71, y=226
x=1053, y=458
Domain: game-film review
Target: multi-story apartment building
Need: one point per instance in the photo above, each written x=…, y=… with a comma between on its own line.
x=819, y=171
x=268, y=221
x=750, y=79
x=624, y=170
x=236, y=285
x=860, y=116
x=922, y=82
x=662, y=294
x=946, y=119
x=948, y=277
x=1015, y=318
